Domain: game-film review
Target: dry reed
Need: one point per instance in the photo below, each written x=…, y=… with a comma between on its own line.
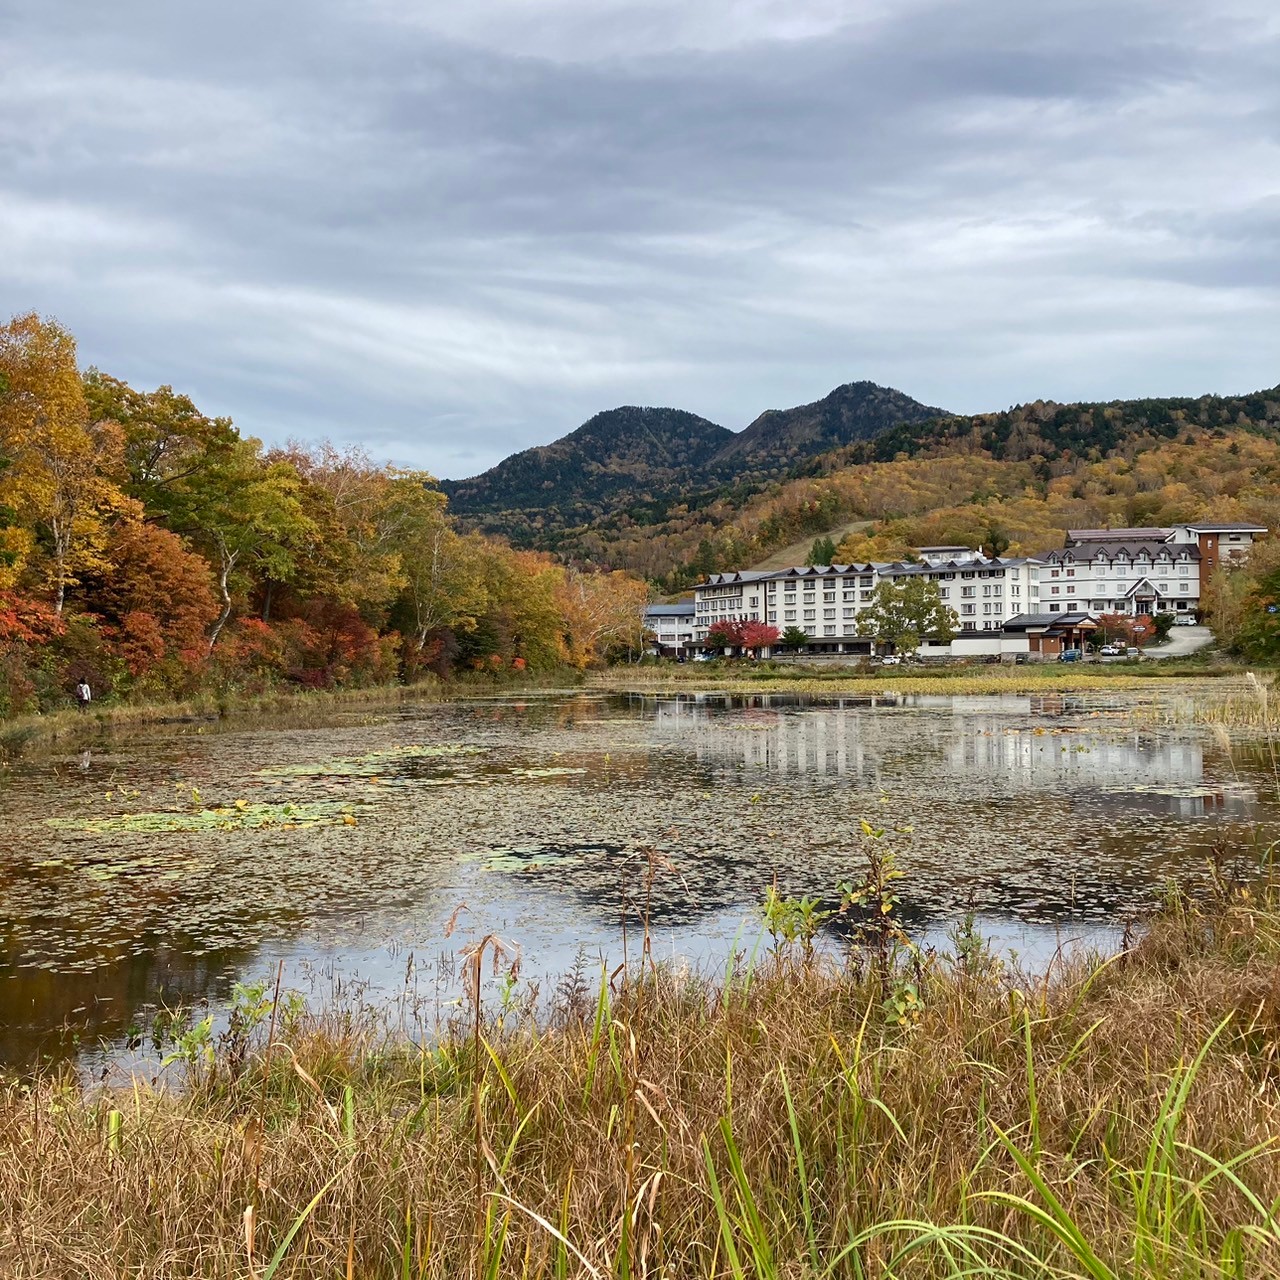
x=1111, y=1119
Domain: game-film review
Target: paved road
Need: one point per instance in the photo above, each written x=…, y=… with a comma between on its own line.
x=1182, y=641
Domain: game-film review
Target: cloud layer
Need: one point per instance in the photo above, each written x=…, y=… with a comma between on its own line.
x=452, y=231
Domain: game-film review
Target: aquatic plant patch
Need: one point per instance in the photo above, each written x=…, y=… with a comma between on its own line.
x=371, y=764
x=240, y=816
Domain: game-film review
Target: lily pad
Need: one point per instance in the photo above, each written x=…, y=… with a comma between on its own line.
x=369, y=765
x=237, y=817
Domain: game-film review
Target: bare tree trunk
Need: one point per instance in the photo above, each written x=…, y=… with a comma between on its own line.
x=60, y=551
x=227, y=563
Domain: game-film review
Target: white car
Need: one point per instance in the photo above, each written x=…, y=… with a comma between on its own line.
x=890, y=660
x=1185, y=620
x=1110, y=650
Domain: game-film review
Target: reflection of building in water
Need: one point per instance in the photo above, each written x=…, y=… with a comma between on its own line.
x=990, y=748
x=863, y=739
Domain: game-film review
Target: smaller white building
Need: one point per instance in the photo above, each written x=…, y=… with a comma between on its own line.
x=672, y=627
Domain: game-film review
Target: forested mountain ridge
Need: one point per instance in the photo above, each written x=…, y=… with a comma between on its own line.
x=1031, y=468
x=1050, y=431
x=623, y=454
x=638, y=457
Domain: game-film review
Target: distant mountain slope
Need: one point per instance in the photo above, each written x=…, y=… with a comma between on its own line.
x=644, y=460
x=781, y=438
x=629, y=454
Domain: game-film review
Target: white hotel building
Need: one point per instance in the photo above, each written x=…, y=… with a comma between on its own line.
x=825, y=601
x=1098, y=571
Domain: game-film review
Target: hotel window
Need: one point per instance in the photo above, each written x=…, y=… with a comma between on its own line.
x=773, y=615
x=1184, y=586
x=1071, y=573
x=849, y=597
x=867, y=596
x=1054, y=573
x=788, y=586
x=810, y=614
x=851, y=613
x=996, y=590
x=828, y=597
x=1055, y=590
x=968, y=610
x=828, y=613
x=1184, y=569
x=828, y=631
x=986, y=608
x=788, y=615
x=866, y=582
x=986, y=591
x=967, y=592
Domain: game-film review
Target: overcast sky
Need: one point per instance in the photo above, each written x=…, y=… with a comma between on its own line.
x=450, y=230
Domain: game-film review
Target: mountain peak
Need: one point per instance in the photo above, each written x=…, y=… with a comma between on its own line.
x=852, y=412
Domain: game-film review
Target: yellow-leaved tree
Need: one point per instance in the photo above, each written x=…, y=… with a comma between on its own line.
x=62, y=477
x=602, y=611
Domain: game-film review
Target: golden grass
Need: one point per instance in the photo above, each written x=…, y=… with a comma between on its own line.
x=1043, y=678
x=1113, y=1119
x=72, y=728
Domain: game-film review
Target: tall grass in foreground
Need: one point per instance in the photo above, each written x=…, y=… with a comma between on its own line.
x=1113, y=1118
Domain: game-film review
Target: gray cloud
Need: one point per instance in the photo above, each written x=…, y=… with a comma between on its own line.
x=453, y=231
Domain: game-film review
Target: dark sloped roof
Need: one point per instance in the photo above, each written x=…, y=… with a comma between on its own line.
x=1027, y=621
x=1132, y=548
x=1242, y=527
x=1119, y=535
x=670, y=610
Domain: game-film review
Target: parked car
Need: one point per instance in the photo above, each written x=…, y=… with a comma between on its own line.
x=1184, y=620
x=1111, y=651
x=703, y=657
x=1132, y=652
x=1071, y=655
x=890, y=660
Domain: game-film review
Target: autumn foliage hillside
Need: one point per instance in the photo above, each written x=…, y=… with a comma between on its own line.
x=1018, y=479
x=155, y=551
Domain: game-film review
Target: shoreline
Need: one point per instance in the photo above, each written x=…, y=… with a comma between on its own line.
x=71, y=728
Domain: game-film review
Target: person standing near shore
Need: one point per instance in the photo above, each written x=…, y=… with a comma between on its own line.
x=84, y=695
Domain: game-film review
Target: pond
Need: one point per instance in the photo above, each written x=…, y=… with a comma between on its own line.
x=158, y=870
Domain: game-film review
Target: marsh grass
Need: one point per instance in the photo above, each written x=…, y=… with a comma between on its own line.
x=287, y=708
x=1045, y=678
x=1112, y=1118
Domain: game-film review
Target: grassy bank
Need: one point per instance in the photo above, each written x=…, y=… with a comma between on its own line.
x=72, y=728
x=741, y=677
x=918, y=1119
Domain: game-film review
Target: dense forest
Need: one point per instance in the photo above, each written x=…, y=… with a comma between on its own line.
x=152, y=550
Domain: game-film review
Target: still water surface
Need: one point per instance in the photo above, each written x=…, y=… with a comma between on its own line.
x=1053, y=817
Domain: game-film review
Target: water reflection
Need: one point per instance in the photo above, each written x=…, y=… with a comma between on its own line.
x=1049, y=816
